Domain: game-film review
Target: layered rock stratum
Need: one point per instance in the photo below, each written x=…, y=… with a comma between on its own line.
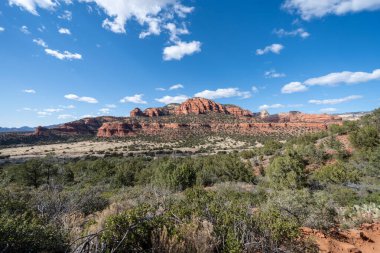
x=196, y=116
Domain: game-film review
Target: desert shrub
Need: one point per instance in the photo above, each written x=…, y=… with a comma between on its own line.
x=342, y=195
x=287, y=172
x=367, y=162
x=175, y=175
x=34, y=172
x=337, y=173
x=310, y=153
x=303, y=208
x=359, y=214
x=248, y=154
x=366, y=137
x=132, y=230
x=270, y=147
x=25, y=233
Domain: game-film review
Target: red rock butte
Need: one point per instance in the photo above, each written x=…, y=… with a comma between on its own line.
x=195, y=115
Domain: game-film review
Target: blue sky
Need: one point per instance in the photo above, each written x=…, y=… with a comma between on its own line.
x=65, y=59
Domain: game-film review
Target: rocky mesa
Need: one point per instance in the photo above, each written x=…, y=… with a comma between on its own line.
x=195, y=115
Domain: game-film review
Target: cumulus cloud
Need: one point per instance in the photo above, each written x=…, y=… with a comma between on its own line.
x=273, y=74
x=171, y=100
x=274, y=106
x=40, y=42
x=274, y=48
x=81, y=99
x=335, y=100
x=181, y=49
x=32, y=5
x=152, y=13
x=298, y=32
x=345, y=77
x=293, y=87
x=333, y=79
x=64, y=31
x=155, y=16
x=255, y=89
x=176, y=87
x=136, y=99
x=30, y=91
x=309, y=9
x=2, y=29
x=66, y=55
x=223, y=93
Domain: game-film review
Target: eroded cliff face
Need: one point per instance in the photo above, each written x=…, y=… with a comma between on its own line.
x=197, y=116
x=193, y=106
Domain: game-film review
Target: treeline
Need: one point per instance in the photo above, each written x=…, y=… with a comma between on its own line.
x=250, y=201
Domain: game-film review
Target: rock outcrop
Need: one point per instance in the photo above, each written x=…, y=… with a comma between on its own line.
x=195, y=116
x=137, y=113
x=295, y=116
x=199, y=106
x=194, y=106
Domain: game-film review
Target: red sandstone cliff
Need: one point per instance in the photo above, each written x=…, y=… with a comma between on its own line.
x=182, y=119
x=195, y=106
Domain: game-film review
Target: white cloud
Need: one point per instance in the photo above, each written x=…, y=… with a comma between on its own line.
x=309, y=9
x=335, y=100
x=293, y=87
x=298, y=32
x=345, y=77
x=66, y=55
x=174, y=31
x=274, y=48
x=181, y=49
x=223, y=93
x=148, y=12
x=136, y=99
x=24, y=29
x=274, y=106
x=255, y=89
x=81, y=99
x=67, y=106
x=171, y=100
x=51, y=110
x=66, y=15
x=332, y=79
x=105, y=110
x=161, y=89
x=64, y=31
x=328, y=110
x=2, y=29
x=43, y=114
x=66, y=116
x=31, y=5
x=40, y=42
x=176, y=87
x=30, y=91
x=273, y=74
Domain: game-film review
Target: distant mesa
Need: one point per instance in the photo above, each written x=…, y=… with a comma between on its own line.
x=195, y=116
